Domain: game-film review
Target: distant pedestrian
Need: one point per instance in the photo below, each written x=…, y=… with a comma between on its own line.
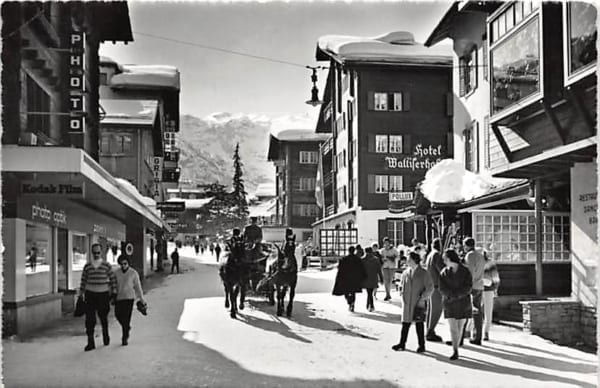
x=372, y=270
x=175, y=260
x=218, y=251
x=33, y=258
x=360, y=252
x=476, y=264
x=350, y=277
x=390, y=257
x=434, y=264
x=491, y=282
x=212, y=249
x=98, y=286
x=196, y=247
x=416, y=289
x=455, y=287
x=128, y=288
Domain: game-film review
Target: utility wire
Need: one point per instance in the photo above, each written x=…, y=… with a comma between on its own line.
x=23, y=25
x=221, y=49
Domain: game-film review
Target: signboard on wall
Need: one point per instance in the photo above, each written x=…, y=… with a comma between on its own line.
x=77, y=82
x=403, y=196
x=56, y=189
x=423, y=157
x=157, y=168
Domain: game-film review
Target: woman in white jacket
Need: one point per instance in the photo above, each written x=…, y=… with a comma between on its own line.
x=129, y=288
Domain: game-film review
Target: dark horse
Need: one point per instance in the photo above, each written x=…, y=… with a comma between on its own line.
x=234, y=275
x=285, y=275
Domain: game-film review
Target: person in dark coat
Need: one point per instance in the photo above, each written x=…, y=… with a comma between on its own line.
x=218, y=251
x=434, y=265
x=372, y=269
x=416, y=289
x=175, y=260
x=455, y=287
x=350, y=277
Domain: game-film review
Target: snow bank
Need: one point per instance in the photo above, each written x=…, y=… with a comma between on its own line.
x=398, y=46
x=160, y=76
x=448, y=181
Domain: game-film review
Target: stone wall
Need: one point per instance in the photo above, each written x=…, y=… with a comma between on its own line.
x=566, y=322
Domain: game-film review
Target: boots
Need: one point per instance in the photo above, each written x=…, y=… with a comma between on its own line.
x=105, y=337
x=125, y=337
x=90, y=345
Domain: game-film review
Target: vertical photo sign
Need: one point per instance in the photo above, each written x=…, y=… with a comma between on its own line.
x=76, y=82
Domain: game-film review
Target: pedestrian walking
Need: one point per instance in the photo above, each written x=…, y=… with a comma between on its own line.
x=491, y=282
x=32, y=258
x=128, y=288
x=377, y=254
x=372, y=267
x=350, y=277
x=218, y=251
x=455, y=287
x=434, y=265
x=416, y=289
x=476, y=264
x=202, y=248
x=98, y=286
x=390, y=257
x=175, y=260
x=212, y=249
x=196, y=247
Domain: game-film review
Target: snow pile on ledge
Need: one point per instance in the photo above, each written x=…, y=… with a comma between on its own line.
x=398, y=46
x=127, y=186
x=448, y=181
x=159, y=76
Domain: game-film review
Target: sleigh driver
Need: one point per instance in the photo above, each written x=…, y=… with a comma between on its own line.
x=253, y=238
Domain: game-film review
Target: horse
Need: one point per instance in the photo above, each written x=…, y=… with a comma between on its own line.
x=285, y=275
x=233, y=272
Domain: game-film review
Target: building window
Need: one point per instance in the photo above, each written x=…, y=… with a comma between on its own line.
x=511, y=237
x=307, y=184
x=515, y=64
x=305, y=210
x=510, y=17
x=470, y=142
x=396, y=184
x=116, y=144
x=381, y=143
x=381, y=184
x=398, y=102
x=395, y=232
x=341, y=193
x=38, y=259
x=105, y=144
x=381, y=102
x=38, y=101
x=335, y=242
x=468, y=72
x=395, y=144
x=309, y=157
x=581, y=36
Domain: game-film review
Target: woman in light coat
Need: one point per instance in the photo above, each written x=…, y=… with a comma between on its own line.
x=417, y=287
x=491, y=282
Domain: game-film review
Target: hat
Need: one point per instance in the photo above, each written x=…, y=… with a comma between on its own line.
x=142, y=307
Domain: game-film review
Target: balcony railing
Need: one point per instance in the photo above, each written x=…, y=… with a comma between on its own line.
x=329, y=210
x=327, y=146
x=328, y=179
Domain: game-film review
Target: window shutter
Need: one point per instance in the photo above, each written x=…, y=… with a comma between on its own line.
x=405, y=101
x=406, y=144
x=484, y=58
x=382, y=231
x=371, y=101
x=486, y=141
x=371, y=183
x=461, y=77
x=390, y=98
x=475, y=81
x=449, y=104
x=371, y=146
x=476, y=147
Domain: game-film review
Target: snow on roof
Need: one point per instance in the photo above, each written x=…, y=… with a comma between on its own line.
x=265, y=190
x=301, y=134
x=158, y=76
x=141, y=112
x=397, y=47
x=449, y=182
x=192, y=203
x=125, y=184
x=263, y=209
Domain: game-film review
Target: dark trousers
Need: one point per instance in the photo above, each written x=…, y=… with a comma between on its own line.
x=477, y=314
x=420, y=333
x=96, y=302
x=123, y=309
x=350, y=297
x=434, y=310
x=370, y=292
x=175, y=264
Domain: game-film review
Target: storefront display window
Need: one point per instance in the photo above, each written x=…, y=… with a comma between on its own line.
x=79, y=257
x=582, y=33
x=38, y=259
x=515, y=64
x=511, y=237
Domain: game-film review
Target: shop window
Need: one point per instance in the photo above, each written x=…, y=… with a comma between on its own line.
x=38, y=259
x=395, y=232
x=511, y=236
x=335, y=242
x=581, y=36
x=515, y=66
x=79, y=256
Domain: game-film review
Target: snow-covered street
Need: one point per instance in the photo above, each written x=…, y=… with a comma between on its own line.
x=188, y=339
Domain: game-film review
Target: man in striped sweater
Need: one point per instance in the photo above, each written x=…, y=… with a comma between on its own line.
x=98, y=287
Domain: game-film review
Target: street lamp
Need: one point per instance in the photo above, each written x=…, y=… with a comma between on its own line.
x=314, y=97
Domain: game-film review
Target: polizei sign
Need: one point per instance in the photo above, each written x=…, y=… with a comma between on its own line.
x=422, y=158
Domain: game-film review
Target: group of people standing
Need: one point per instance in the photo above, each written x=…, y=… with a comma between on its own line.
x=462, y=288
x=100, y=287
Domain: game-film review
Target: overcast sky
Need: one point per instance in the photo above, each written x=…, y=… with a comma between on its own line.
x=213, y=81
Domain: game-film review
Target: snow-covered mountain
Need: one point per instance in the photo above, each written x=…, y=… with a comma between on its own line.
x=207, y=146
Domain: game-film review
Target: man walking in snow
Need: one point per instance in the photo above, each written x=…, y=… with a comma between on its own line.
x=476, y=264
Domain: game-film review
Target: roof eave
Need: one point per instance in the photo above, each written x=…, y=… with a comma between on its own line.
x=440, y=32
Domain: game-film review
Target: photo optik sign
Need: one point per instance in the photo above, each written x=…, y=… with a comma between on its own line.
x=423, y=158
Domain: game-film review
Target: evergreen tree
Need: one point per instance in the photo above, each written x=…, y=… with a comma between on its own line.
x=239, y=193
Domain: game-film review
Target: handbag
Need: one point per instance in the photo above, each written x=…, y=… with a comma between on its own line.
x=80, y=307
x=142, y=307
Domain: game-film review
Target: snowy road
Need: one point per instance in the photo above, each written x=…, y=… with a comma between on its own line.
x=189, y=340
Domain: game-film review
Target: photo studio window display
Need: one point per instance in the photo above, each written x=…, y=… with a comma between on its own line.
x=38, y=259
